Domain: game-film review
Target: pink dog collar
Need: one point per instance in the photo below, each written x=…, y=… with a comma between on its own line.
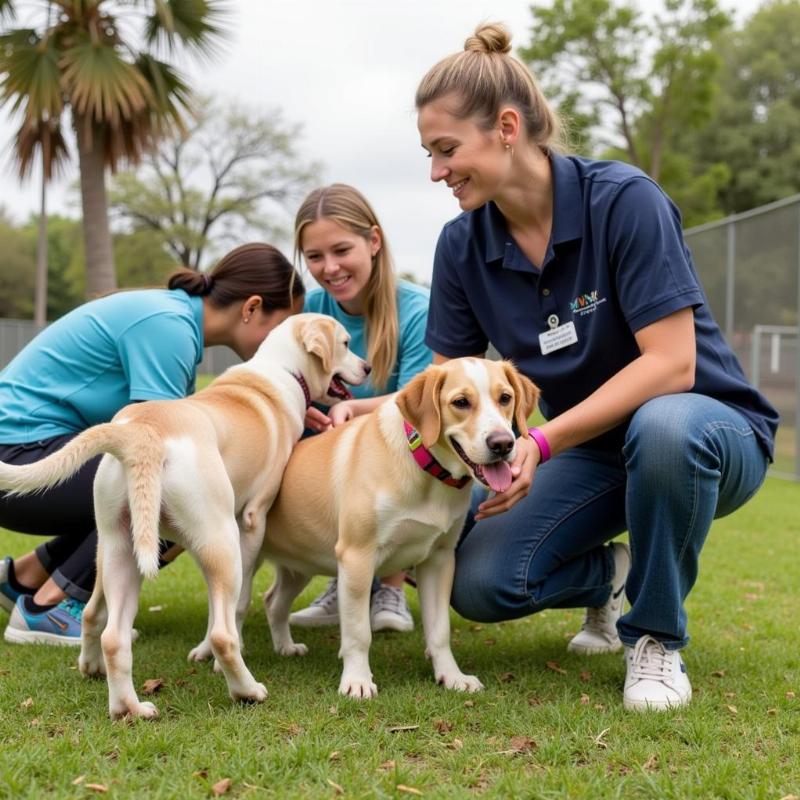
x=427, y=462
x=304, y=386
x=541, y=442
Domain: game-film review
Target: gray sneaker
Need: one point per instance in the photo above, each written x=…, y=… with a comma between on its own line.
x=323, y=611
x=389, y=610
x=599, y=631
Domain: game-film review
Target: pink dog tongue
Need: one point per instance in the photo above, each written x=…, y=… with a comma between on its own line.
x=497, y=475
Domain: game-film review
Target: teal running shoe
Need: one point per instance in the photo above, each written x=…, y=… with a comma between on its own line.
x=59, y=625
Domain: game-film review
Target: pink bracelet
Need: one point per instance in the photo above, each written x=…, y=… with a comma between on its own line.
x=541, y=442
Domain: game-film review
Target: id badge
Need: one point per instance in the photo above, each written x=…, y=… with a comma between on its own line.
x=558, y=337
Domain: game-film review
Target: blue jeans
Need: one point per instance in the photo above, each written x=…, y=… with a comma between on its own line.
x=687, y=459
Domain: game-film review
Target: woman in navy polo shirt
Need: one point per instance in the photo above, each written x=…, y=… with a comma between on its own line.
x=577, y=270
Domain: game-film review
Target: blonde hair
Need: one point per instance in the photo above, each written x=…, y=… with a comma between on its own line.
x=349, y=208
x=484, y=77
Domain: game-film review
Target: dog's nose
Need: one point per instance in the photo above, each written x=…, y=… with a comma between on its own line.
x=500, y=443
x=367, y=368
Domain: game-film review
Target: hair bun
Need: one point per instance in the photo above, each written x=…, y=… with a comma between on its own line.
x=491, y=37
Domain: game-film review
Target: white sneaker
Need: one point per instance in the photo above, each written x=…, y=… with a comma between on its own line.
x=389, y=611
x=324, y=610
x=656, y=677
x=598, y=634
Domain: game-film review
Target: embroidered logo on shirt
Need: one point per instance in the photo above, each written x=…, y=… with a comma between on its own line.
x=586, y=303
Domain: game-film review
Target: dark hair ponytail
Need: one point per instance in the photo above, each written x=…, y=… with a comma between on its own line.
x=250, y=269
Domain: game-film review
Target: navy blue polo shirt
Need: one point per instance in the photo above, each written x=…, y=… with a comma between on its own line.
x=615, y=263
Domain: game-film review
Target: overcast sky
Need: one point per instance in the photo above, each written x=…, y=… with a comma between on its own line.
x=347, y=71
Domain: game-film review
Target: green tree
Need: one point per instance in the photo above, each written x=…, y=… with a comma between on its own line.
x=635, y=86
x=84, y=56
x=232, y=173
x=756, y=127
x=17, y=268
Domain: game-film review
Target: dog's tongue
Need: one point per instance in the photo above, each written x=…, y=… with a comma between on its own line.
x=497, y=475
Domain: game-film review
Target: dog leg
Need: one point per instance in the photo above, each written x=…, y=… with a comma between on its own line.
x=202, y=652
x=93, y=622
x=278, y=603
x=222, y=568
x=121, y=585
x=434, y=585
x=356, y=570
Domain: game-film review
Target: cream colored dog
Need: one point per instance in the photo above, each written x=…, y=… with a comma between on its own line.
x=356, y=503
x=203, y=470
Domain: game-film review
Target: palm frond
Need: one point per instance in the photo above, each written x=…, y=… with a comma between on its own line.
x=32, y=78
x=195, y=24
x=171, y=96
x=39, y=136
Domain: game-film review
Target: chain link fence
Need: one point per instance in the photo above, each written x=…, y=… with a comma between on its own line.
x=750, y=267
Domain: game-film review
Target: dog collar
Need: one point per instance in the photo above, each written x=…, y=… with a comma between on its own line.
x=426, y=460
x=304, y=386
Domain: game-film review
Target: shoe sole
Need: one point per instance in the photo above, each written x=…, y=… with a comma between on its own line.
x=650, y=705
x=393, y=625
x=16, y=636
x=588, y=650
x=314, y=622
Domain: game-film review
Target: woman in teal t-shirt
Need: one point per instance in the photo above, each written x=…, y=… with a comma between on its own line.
x=346, y=252
x=123, y=348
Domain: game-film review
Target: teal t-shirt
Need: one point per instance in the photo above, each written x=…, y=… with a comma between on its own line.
x=413, y=355
x=87, y=365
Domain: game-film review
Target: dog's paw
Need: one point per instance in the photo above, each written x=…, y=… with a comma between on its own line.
x=91, y=663
x=137, y=710
x=360, y=689
x=292, y=649
x=200, y=653
x=257, y=693
x=460, y=682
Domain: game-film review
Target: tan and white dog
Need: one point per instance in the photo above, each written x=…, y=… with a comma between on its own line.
x=203, y=470
x=356, y=502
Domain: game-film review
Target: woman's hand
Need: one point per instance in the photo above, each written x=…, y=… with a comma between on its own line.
x=525, y=463
x=316, y=420
x=341, y=413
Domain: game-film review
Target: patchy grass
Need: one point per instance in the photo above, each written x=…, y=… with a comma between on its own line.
x=549, y=725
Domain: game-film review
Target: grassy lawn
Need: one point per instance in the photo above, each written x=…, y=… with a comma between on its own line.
x=549, y=725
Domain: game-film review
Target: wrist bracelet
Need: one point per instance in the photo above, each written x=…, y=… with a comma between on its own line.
x=541, y=443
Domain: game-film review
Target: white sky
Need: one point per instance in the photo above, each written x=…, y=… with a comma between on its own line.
x=347, y=71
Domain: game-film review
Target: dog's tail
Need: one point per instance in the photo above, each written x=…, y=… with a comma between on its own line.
x=142, y=457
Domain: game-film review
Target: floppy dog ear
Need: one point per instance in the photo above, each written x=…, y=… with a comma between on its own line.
x=418, y=402
x=319, y=338
x=526, y=396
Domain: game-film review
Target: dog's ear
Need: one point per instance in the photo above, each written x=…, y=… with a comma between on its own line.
x=526, y=396
x=418, y=402
x=319, y=338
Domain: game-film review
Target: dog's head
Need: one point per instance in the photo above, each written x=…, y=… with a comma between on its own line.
x=465, y=410
x=331, y=364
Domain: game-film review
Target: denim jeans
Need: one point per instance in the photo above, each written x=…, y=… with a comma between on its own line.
x=687, y=459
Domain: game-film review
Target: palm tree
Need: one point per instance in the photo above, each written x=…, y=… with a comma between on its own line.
x=98, y=62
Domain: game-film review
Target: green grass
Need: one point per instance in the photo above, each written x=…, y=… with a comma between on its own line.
x=534, y=732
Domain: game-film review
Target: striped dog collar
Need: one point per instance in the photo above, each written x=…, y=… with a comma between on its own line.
x=426, y=461
x=304, y=386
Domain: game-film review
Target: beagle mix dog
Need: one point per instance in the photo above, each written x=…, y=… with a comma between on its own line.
x=203, y=470
x=389, y=490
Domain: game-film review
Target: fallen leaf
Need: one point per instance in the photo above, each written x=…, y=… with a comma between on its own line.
x=790, y=695
x=334, y=756
x=333, y=710
x=790, y=797
x=338, y=789
x=34, y=722
x=585, y=675
x=469, y=703
x=718, y=673
x=152, y=685
x=201, y=773
x=585, y=699
x=553, y=666
x=598, y=740
x=456, y=744
x=155, y=609
x=476, y=627
x=651, y=764
x=221, y=787
x=80, y=779
x=387, y=765
x=401, y=728
x=443, y=726
x=26, y=703
x=97, y=787
x=732, y=709
x=490, y=641
x=752, y=597
x=408, y=789
x=730, y=695
x=772, y=712
x=507, y=677
x=522, y=744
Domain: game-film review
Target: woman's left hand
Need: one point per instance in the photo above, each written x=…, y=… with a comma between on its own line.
x=522, y=470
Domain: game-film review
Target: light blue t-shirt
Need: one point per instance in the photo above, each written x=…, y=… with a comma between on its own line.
x=413, y=355
x=87, y=365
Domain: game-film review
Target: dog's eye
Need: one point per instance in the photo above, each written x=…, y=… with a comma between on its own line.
x=461, y=402
x=505, y=399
